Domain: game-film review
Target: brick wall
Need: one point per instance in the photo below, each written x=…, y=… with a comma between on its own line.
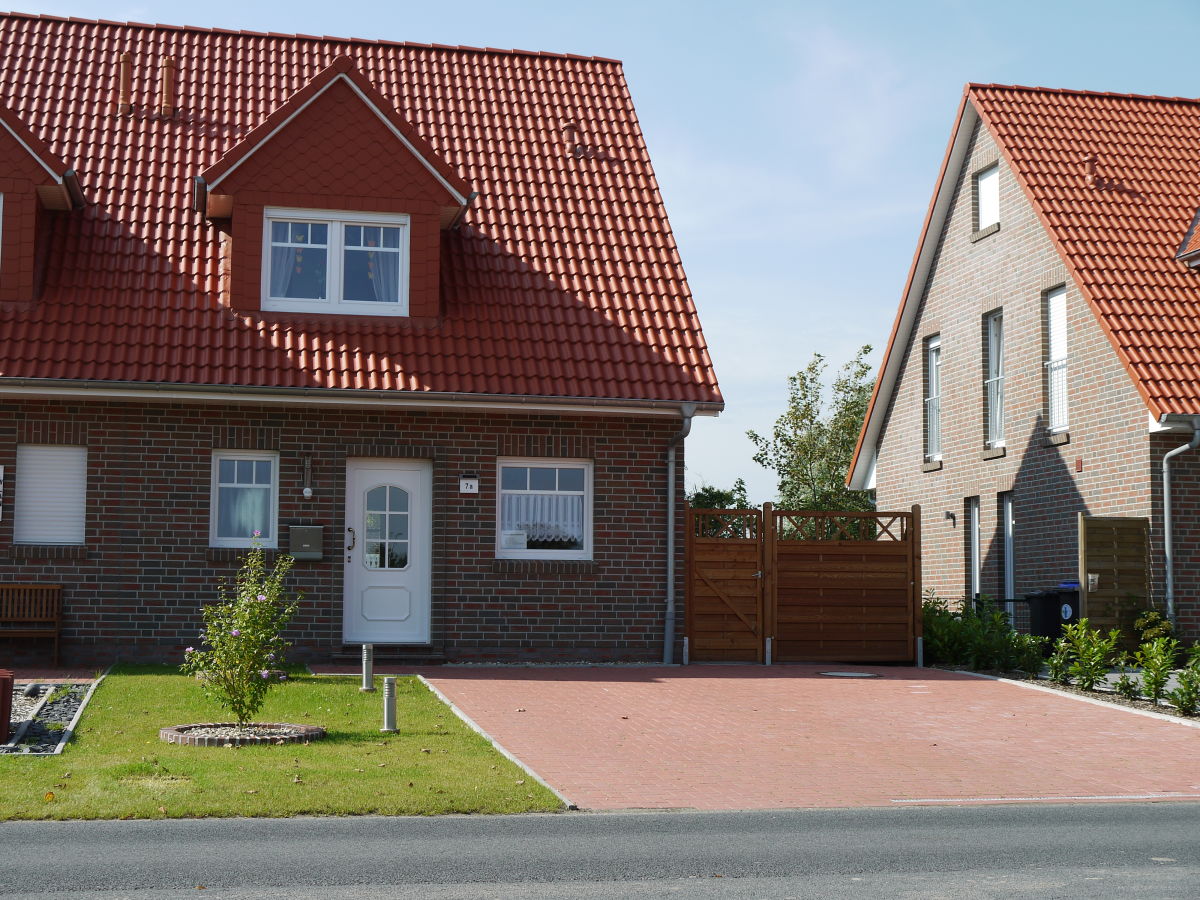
x=135, y=589
x=1101, y=467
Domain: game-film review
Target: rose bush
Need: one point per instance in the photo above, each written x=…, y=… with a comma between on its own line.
x=242, y=641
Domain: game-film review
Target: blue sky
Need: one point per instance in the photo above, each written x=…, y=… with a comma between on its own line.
x=796, y=144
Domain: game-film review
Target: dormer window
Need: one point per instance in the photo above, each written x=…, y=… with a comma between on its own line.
x=321, y=262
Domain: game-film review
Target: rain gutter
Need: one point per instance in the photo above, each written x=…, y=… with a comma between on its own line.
x=687, y=410
x=1168, y=544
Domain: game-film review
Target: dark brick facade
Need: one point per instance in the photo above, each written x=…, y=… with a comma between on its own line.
x=134, y=590
x=1107, y=464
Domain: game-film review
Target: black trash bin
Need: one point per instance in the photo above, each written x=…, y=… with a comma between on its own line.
x=1050, y=610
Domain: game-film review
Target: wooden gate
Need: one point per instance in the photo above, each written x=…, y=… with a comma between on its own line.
x=820, y=586
x=1114, y=572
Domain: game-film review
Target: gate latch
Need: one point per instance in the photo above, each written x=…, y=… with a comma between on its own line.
x=757, y=575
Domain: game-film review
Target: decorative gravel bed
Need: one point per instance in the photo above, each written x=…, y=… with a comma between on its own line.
x=43, y=730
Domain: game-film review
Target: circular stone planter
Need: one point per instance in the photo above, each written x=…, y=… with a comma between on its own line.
x=230, y=734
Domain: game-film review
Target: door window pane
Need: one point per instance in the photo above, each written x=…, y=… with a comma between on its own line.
x=386, y=527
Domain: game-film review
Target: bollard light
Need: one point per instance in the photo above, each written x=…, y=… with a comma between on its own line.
x=368, y=659
x=389, y=706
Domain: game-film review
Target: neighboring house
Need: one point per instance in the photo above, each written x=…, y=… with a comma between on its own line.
x=1046, y=354
x=413, y=312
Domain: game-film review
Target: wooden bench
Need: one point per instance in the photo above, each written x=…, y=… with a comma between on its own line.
x=31, y=610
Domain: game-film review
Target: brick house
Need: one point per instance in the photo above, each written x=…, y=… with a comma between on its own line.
x=412, y=312
x=1044, y=358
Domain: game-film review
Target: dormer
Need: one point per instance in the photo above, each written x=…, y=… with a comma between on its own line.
x=32, y=181
x=333, y=205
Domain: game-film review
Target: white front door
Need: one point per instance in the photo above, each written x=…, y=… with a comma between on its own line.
x=388, y=541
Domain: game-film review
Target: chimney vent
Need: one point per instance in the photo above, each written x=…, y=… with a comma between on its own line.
x=166, y=87
x=125, y=89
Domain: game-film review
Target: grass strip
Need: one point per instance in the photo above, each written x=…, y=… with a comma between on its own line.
x=117, y=768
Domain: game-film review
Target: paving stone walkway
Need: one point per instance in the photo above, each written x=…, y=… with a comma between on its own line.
x=747, y=737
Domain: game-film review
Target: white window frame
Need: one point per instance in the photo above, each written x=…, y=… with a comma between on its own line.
x=337, y=220
x=214, y=484
x=1057, y=410
x=30, y=525
x=933, y=398
x=974, y=557
x=993, y=405
x=1008, y=529
x=588, y=510
x=987, y=197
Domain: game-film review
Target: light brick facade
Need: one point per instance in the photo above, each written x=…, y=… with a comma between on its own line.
x=1106, y=463
x=134, y=589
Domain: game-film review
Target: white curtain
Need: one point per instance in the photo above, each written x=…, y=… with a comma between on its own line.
x=283, y=262
x=386, y=282
x=543, y=517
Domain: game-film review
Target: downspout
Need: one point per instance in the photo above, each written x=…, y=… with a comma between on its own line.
x=687, y=410
x=1168, y=549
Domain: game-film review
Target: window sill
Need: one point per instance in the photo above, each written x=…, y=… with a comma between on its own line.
x=48, y=551
x=985, y=232
x=932, y=466
x=1057, y=439
x=546, y=566
x=995, y=453
x=235, y=554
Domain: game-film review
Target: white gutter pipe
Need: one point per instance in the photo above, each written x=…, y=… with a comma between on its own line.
x=687, y=411
x=1168, y=548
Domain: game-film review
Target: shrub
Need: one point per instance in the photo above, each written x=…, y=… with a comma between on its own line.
x=1058, y=664
x=242, y=637
x=1151, y=624
x=1156, y=658
x=1126, y=685
x=977, y=636
x=1186, y=696
x=1091, y=652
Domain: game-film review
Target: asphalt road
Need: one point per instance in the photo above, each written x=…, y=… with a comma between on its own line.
x=1045, y=851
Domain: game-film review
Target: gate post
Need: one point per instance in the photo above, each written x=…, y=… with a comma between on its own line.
x=914, y=563
x=766, y=587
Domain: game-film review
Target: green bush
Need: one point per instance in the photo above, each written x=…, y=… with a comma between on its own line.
x=1151, y=624
x=244, y=646
x=1058, y=663
x=1186, y=696
x=977, y=636
x=1126, y=684
x=1156, y=659
x=1091, y=651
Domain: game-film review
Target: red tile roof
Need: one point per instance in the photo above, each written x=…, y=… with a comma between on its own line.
x=1116, y=180
x=563, y=281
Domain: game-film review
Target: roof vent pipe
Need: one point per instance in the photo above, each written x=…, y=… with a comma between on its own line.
x=125, y=85
x=166, y=86
x=1168, y=548
x=687, y=410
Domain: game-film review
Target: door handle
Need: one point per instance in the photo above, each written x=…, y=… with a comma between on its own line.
x=353, y=539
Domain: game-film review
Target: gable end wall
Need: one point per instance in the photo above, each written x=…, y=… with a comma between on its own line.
x=1009, y=270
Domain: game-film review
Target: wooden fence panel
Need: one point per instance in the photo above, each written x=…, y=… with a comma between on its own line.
x=1114, y=554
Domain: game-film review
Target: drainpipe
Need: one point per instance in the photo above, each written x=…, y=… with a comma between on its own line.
x=687, y=410
x=1168, y=549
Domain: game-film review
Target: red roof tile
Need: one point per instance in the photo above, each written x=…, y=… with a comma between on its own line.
x=1116, y=180
x=563, y=281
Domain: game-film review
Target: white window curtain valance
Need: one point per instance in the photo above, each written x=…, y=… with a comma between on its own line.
x=544, y=517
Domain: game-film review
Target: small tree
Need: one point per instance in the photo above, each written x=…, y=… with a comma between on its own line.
x=243, y=640
x=812, y=443
x=708, y=496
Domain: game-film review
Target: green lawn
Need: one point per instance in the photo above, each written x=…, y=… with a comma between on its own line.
x=116, y=766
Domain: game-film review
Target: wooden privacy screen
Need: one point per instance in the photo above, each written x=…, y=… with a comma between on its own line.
x=1114, y=556
x=821, y=586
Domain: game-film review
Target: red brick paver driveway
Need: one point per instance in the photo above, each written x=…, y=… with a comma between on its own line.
x=746, y=737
